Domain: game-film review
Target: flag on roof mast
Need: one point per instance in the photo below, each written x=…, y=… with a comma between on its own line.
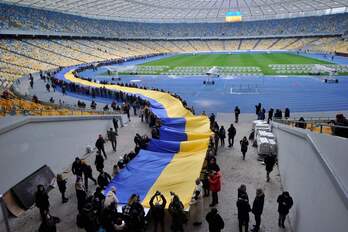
x=233, y=16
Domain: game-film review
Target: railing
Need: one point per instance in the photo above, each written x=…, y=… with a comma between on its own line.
x=324, y=125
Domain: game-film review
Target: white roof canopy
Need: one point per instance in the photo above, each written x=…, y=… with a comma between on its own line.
x=188, y=10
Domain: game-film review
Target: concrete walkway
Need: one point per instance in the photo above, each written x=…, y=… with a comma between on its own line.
x=235, y=172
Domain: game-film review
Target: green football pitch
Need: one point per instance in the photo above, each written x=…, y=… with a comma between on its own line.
x=261, y=60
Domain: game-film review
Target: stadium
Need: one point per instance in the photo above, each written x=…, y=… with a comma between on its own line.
x=114, y=115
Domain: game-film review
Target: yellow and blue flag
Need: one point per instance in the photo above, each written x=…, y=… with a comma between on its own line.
x=233, y=16
x=169, y=164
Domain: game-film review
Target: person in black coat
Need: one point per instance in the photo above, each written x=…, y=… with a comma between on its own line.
x=258, y=208
x=285, y=203
x=115, y=122
x=157, y=210
x=222, y=135
x=88, y=174
x=270, y=115
x=112, y=138
x=236, y=114
x=99, y=144
x=77, y=167
x=244, y=146
x=243, y=212
x=215, y=221
x=99, y=161
x=269, y=160
x=103, y=179
x=287, y=113
x=231, y=134
x=62, y=187
x=48, y=223
x=41, y=201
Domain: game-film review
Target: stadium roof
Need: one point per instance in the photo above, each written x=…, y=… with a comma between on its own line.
x=188, y=10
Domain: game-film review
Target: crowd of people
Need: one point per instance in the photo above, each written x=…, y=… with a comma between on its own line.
x=100, y=210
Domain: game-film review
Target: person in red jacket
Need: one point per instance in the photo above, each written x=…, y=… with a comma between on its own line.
x=215, y=186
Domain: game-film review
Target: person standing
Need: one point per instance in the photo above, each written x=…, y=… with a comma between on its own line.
x=258, y=208
x=197, y=204
x=112, y=138
x=99, y=144
x=236, y=114
x=214, y=186
x=215, y=221
x=62, y=187
x=77, y=167
x=287, y=113
x=103, y=179
x=80, y=193
x=115, y=122
x=41, y=201
x=244, y=146
x=157, y=205
x=269, y=160
x=88, y=174
x=99, y=162
x=270, y=115
x=222, y=135
x=243, y=212
x=285, y=203
x=231, y=134
x=176, y=210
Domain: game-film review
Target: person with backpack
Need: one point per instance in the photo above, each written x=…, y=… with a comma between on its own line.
x=244, y=146
x=176, y=210
x=157, y=205
x=77, y=167
x=215, y=221
x=231, y=134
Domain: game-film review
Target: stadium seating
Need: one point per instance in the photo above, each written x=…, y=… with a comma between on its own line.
x=19, y=57
x=30, y=19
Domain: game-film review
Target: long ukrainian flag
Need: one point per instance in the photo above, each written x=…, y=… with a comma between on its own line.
x=233, y=16
x=170, y=164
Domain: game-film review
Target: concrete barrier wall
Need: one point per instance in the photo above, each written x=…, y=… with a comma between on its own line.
x=312, y=169
x=28, y=143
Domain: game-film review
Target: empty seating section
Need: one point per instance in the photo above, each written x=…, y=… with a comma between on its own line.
x=248, y=44
x=19, y=57
x=231, y=44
